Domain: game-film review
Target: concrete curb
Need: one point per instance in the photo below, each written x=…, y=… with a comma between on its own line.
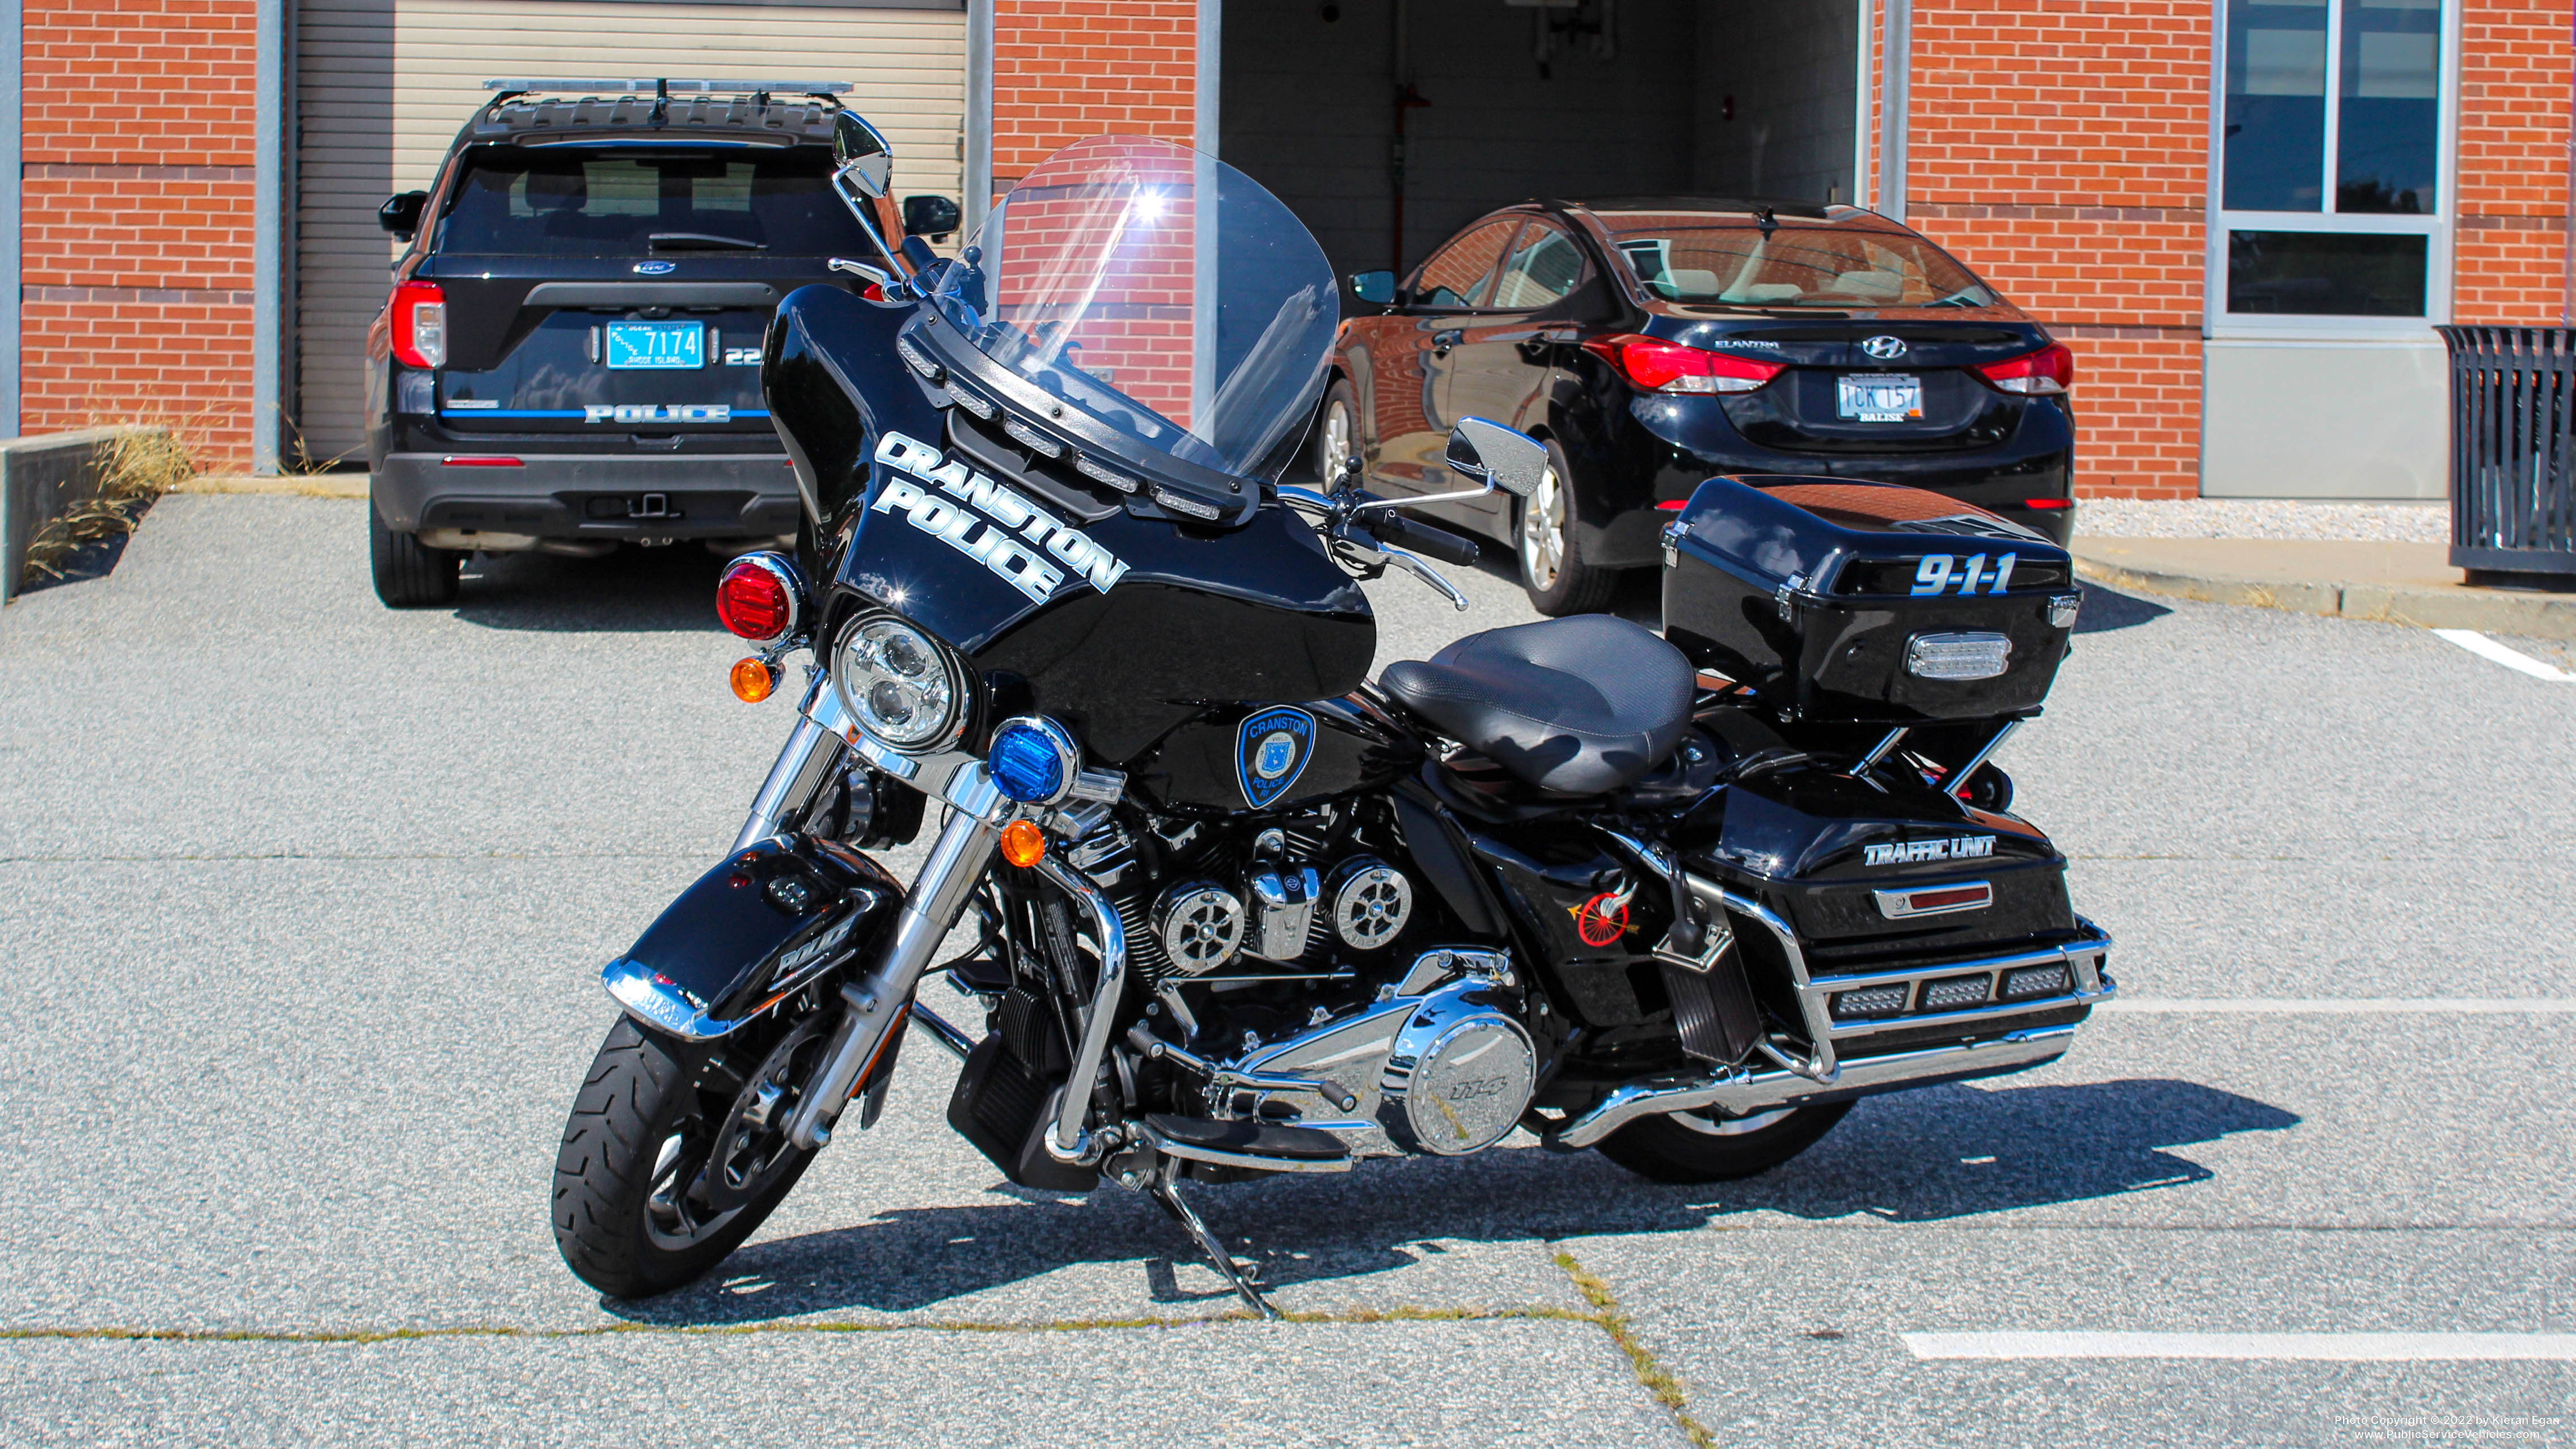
x=306, y=485
x=2500, y=611
x=44, y=477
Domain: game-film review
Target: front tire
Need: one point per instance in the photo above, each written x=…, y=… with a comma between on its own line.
x=1553, y=569
x=675, y=1153
x=410, y=574
x=1689, y=1147
x=1337, y=431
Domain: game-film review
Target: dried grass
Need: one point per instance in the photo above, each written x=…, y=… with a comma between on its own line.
x=136, y=467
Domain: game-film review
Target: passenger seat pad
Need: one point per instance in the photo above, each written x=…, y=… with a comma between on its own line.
x=1580, y=705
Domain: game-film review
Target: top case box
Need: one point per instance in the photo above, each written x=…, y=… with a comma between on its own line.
x=1866, y=603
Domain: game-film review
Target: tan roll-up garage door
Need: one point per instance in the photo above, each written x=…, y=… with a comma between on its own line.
x=381, y=87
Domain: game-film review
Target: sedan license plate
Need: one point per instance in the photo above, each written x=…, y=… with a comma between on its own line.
x=1879, y=397
x=656, y=345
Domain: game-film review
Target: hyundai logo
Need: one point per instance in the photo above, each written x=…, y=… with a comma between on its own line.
x=1885, y=349
x=655, y=269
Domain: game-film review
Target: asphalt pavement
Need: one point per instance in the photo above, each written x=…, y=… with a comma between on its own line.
x=302, y=903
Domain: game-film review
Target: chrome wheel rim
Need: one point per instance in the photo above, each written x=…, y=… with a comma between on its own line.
x=1543, y=532
x=1337, y=440
x=1713, y=1126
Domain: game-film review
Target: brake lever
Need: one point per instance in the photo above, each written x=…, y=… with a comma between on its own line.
x=1414, y=565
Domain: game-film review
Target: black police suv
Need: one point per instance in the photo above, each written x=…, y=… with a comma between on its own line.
x=570, y=359
x=1651, y=343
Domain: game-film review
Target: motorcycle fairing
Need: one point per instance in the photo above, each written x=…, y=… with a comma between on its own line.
x=1257, y=613
x=1205, y=764
x=750, y=932
x=834, y=384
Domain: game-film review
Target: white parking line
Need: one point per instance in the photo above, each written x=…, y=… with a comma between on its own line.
x=2309, y=1347
x=2345, y=1006
x=2486, y=648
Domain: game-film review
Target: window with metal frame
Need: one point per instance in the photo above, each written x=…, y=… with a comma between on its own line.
x=1457, y=275
x=1546, y=266
x=2331, y=170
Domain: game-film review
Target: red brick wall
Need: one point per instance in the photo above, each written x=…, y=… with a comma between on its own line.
x=2060, y=150
x=1068, y=70
x=2510, y=248
x=138, y=210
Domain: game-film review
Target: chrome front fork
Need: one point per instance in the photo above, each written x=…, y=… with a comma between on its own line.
x=877, y=998
x=793, y=782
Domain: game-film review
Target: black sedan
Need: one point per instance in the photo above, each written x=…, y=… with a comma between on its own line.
x=1651, y=343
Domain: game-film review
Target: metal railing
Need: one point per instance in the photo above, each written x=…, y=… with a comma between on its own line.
x=2513, y=455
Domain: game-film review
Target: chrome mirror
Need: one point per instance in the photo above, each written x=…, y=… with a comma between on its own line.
x=1497, y=456
x=861, y=159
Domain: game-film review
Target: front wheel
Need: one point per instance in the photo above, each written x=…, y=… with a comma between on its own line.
x=1559, y=580
x=677, y=1151
x=1702, y=1147
x=1337, y=432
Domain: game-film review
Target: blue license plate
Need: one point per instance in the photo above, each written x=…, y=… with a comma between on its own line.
x=657, y=344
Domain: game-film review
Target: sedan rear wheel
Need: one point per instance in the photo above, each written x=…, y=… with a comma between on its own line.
x=1552, y=566
x=1704, y=1147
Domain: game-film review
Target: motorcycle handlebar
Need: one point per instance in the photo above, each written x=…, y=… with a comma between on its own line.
x=1426, y=539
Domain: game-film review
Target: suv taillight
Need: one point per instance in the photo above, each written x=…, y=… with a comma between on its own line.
x=420, y=324
x=1659, y=366
x=2050, y=369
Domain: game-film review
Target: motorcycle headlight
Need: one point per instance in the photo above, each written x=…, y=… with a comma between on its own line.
x=900, y=684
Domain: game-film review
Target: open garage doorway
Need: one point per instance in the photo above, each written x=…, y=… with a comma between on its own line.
x=1501, y=101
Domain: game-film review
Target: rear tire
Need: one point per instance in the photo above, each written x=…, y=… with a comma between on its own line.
x=410, y=574
x=1687, y=1148
x=1553, y=570
x=630, y=1213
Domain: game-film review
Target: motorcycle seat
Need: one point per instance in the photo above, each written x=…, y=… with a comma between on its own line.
x=1580, y=705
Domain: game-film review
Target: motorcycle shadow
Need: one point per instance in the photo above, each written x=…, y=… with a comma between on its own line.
x=1919, y=1157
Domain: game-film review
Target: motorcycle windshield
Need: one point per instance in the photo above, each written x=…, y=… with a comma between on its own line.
x=1159, y=291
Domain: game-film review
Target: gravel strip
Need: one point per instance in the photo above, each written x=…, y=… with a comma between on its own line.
x=2261, y=518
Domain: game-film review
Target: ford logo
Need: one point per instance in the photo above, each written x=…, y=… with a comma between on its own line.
x=655, y=269
x=1885, y=349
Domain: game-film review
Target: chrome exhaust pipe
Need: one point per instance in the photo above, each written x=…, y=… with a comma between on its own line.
x=1742, y=1092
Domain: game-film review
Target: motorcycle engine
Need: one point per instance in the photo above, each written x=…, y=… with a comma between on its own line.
x=1300, y=899
x=1296, y=947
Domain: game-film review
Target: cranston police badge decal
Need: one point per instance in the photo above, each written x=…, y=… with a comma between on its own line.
x=1270, y=751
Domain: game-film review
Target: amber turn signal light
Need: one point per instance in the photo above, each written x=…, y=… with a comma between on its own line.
x=1023, y=844
x=753, y=680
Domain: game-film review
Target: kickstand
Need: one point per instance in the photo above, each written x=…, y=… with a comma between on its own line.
x=1167, y=1191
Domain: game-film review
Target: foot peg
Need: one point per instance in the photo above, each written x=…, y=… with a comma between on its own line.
x=1261, y=1146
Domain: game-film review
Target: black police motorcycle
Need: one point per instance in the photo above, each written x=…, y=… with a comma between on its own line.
x=1232, y=908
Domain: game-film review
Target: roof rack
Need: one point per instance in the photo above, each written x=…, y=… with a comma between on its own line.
x=664, y=87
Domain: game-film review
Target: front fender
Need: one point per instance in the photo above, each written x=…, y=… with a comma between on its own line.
x=759, y=927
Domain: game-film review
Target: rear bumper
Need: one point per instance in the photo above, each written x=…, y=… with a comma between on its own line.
x=612, y=497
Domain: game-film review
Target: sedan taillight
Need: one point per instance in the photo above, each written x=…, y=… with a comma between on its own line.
x=420, y=324
x=1659, y=366
x=2050, y=369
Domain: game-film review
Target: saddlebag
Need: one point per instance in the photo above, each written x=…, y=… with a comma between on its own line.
x=1839, y=601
